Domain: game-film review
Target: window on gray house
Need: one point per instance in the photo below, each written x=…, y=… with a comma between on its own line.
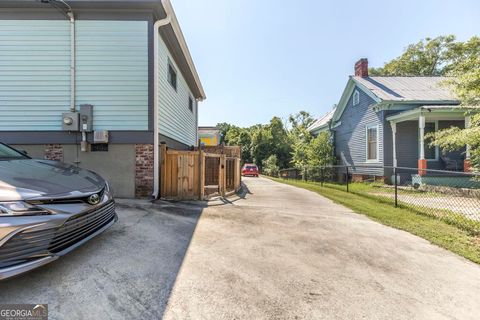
x=430, y=152
x=356, y=97
x=190, y=103
x=172, y=76
x=372, y=142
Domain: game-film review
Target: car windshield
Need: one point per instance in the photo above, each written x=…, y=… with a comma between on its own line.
x=7, y=153
x=251, y=167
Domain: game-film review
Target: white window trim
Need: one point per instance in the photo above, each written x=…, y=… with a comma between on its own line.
x=370, y=126
x=437, y=149
x=356, y=98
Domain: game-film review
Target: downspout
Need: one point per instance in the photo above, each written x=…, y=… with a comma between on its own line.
x=72, y=60
x=156, y=109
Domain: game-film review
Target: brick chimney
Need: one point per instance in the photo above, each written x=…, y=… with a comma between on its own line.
x=361, y=68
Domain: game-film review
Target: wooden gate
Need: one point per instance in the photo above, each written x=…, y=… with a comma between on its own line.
x=180, y=174
x=187, y=175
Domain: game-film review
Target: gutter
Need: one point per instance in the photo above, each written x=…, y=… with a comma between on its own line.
x=156, y=110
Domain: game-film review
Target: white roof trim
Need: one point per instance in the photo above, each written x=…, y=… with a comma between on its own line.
x=347, y=92
x=183, y=45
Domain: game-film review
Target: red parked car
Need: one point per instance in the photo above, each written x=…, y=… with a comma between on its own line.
x=250, y=169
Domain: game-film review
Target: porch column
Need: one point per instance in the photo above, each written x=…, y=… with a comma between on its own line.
x=394, y=138
x=467, y=165
x=422, y=162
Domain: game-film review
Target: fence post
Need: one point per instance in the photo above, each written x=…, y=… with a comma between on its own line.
x=396, y=185
x=163, y=170
x=347, y=179
x=321, y=176
x=223, y=175
x=201, y=173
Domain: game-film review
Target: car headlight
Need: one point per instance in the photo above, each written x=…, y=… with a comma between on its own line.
x=108, y=189
x=20, y=208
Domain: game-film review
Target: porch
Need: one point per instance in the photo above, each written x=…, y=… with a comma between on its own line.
x=410, y=149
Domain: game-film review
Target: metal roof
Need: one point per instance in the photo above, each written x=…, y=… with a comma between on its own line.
x=322, y=121
x=407, y=88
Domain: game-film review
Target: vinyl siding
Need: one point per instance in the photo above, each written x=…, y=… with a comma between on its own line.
x=350, y=136
x=112, y=73
x=34, y=74
x=176, y=121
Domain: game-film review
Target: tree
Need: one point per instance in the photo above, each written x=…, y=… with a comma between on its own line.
x=320, y=151
x=300, y=137
x=428, y=57
x=270, y=166
x=464, y=80
x=464, y=71
x=224, y=128
x=270, y=139
x=237, y=136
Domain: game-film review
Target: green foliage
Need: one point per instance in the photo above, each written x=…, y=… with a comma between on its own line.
x=270, y=166
x=454, y=138
x=300, y=138
x=465, y=71
x=258, y=142
x=275, y=146
x=224, y=128
x=428, y=57
x=320, y=151
x=460, y=61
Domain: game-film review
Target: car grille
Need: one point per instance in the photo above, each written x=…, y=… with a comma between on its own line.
x=64, y=201
x=27, y=246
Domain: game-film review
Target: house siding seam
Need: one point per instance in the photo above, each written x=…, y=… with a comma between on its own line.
x=175, y=118
x=350, y=136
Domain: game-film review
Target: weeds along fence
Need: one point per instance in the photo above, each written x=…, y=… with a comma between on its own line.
x=451, y=196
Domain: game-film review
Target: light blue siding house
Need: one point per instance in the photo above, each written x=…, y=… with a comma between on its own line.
x=381, y=122
x=98, y=83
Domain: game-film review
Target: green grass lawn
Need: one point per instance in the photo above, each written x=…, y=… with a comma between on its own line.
x=443, y=234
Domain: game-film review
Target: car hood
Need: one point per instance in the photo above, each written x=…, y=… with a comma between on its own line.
x=37, y=179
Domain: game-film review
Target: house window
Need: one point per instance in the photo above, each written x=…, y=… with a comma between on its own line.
x=431, y=153
x=356, y=97
x=372, y=142
x=190, y=103
x=172, y=76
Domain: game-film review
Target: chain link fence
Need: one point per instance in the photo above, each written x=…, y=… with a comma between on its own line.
x=451, y=196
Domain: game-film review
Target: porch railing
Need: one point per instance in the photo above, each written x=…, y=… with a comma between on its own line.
x=451, y=196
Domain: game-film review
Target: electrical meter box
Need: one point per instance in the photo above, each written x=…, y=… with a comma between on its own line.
x=70, y=121
x=86, y=117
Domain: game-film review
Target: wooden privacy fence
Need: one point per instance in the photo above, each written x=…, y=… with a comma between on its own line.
x=188, y=175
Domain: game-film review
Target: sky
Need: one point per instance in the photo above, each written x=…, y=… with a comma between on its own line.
x=263, y=58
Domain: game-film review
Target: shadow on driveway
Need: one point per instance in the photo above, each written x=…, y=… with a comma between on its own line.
x=127, y=272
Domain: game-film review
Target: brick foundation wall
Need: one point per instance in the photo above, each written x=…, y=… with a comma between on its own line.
x=54, y=152
x=143, y=170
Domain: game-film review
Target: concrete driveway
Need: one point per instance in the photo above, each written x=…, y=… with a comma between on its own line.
x=278, y=253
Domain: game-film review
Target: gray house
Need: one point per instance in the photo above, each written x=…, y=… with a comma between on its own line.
x=382, y=121
x=100, y=84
